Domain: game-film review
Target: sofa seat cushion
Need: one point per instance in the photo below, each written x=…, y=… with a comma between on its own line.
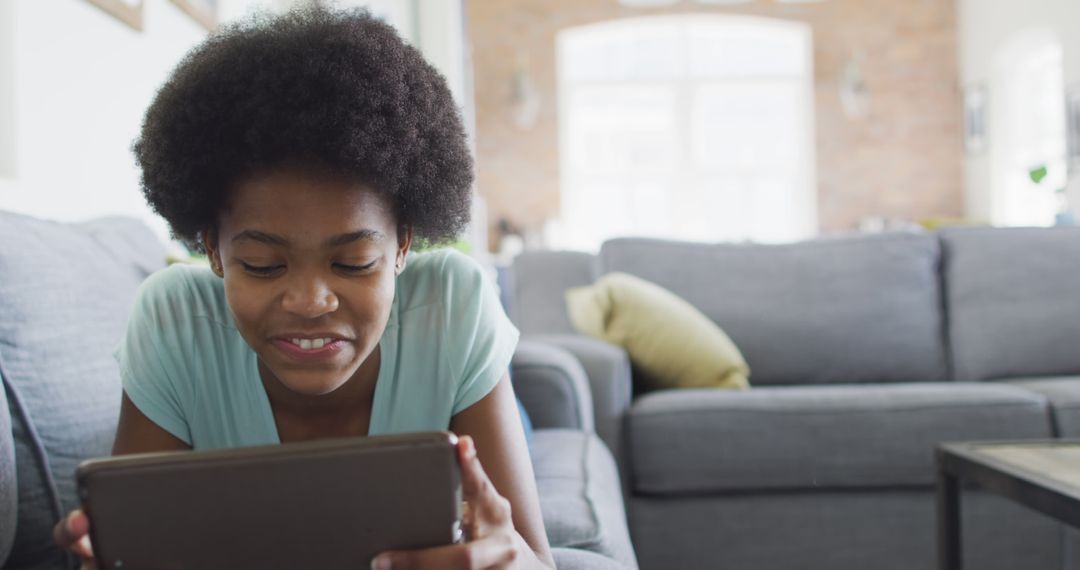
x=580, y=494
x=860, y=436
x=1063, y=392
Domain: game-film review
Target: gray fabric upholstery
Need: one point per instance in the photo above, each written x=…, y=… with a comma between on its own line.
x=608, y=373
x=9, y=498
x=537, y=284
x=60, y=317
x=888, y=530
x=552, y=386
x=1013, y=306
x=573, y=559
x=1064, y=396
x=828, y=437
x=853, y=309
x=579, y=494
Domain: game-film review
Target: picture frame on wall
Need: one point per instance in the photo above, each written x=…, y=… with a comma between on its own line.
x=1072, y=118
x=975, y=109
x=204, y=12
x=129, y=12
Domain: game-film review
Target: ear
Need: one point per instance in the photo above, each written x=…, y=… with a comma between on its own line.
x=404, y=236
x=209, y=239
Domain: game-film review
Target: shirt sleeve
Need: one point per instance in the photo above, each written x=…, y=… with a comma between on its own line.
x=150, y=355
x=482, y=335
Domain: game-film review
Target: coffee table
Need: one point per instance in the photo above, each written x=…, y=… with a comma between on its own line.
x=1042, y=475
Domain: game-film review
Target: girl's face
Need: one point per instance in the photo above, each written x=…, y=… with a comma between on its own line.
x=309, y=265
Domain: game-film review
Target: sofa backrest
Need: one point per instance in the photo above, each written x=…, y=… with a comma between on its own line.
x=862, y=308
x=537, y=284
x=1013, y=298
x=65, y=294
x=848, y=309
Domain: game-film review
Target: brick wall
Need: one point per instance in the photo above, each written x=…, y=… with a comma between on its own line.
x=903, y=159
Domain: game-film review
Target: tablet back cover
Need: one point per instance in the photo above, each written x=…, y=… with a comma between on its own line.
x=328, y=504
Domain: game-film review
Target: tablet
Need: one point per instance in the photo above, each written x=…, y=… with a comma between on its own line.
x=326, y=504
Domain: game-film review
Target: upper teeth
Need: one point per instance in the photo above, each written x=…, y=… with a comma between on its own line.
x=310, y=343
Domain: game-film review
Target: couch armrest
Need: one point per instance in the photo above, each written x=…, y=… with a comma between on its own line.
x=553, y=387
x=608, y=369
x=9, y=490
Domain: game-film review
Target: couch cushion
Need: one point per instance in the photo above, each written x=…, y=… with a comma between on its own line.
x=816, y=437
x=9, y=498
x=537, y=284
x=580, y=494
x=1064, y=396
x=1013, y=306
x=841, y=310
x=64, y=299
x=666, y=337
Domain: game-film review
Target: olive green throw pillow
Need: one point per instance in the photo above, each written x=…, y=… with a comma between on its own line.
x=666, y=337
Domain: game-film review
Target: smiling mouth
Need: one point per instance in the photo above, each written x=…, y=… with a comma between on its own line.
x=311, y=343
x=317, y=348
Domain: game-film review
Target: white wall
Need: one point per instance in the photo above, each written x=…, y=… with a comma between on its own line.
x=985, y=28
x=81, y=81
x=75, y=83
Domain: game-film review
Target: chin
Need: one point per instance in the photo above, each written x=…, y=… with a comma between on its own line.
x=311, y=386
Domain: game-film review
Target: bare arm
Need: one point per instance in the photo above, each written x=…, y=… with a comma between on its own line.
x=136, y=433
x=495, y=426
x=502, y=523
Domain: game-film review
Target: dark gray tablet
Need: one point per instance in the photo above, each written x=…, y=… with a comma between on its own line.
x=326, y=504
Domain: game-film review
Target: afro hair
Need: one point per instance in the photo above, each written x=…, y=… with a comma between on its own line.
x=333, y=90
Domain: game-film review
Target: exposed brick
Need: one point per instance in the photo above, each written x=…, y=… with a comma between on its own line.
x=904, y=160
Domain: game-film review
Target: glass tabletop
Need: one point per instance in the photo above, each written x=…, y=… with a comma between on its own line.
x=1058, y=461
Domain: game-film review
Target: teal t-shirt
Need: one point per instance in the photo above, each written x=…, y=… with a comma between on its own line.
x=186, y=367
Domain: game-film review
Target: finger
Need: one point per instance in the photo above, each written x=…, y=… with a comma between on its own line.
x=72, y=534
x=491, y=551
x=486, y=505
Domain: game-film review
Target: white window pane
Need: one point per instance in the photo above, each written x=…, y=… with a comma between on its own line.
x=749, y=125
x=719, y=50
x=621, y=128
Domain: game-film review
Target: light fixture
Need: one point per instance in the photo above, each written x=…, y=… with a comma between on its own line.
x=647, y=3
x=661, y=3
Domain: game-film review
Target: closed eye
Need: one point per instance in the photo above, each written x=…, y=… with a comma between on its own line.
x=354, y=268
x=264, y=270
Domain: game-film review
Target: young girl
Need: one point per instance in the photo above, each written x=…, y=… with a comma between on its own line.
x=305, y=154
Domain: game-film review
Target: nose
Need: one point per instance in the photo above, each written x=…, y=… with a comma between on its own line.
x=309, y=297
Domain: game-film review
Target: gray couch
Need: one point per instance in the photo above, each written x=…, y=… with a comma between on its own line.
x=65, y=291
x=865, y=350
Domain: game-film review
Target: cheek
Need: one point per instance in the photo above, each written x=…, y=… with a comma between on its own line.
x=245, y=304
x=373, y=302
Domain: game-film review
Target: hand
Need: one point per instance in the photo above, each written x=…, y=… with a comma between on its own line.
x=491, y=541
x=73, y=534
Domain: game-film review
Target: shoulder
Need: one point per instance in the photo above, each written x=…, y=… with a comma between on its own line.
x=445, y=277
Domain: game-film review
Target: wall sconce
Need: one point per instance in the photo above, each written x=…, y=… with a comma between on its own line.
x=854, y=95
x=524, y=98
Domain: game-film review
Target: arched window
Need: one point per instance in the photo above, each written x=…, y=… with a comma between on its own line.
x=1027, y=129
x=696, y=127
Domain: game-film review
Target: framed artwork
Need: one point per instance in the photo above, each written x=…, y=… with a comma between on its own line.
x=129, y=12
x=1072, y=118
x=975, y=109
x=202, y=11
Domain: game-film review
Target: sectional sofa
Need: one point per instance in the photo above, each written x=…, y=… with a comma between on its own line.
x=65, y=293
x=865, y=351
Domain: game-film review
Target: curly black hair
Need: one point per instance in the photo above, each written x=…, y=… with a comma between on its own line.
x=333, y=90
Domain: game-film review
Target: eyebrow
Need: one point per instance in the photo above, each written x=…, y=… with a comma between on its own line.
x=338, y=240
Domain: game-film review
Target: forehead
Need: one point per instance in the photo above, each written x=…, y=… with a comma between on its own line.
x=292, y=203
